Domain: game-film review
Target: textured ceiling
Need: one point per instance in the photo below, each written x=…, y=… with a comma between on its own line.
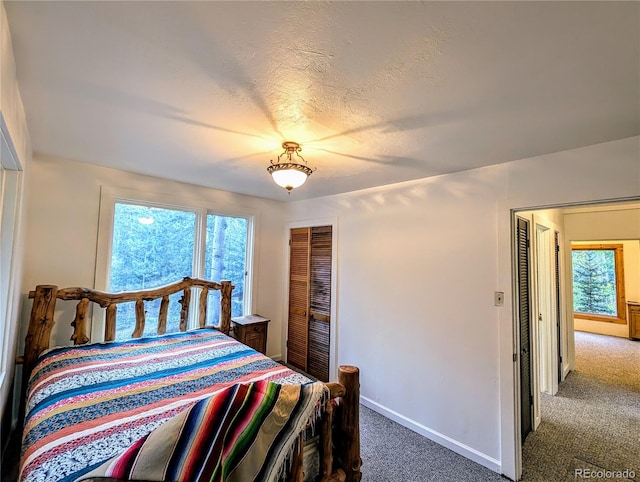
x=376, y=92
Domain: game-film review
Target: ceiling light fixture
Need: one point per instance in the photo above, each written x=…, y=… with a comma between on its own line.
x=286, y=171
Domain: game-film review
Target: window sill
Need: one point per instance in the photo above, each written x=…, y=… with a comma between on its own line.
x=603, y=318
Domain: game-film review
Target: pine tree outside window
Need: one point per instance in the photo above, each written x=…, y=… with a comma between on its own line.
x=598, y=282
x=154, y=245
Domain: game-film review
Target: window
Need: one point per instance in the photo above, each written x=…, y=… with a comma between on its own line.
x=154, y=244
x=225, y=258
x=598, y=282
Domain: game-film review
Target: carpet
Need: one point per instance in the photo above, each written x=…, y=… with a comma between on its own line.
x=591, y=427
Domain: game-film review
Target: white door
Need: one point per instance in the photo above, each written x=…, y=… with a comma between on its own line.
x=545, y=333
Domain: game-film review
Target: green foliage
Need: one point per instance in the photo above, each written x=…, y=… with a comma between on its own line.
x=225, y=258
x=156, y=246
x=150, y=255
x=594, y=282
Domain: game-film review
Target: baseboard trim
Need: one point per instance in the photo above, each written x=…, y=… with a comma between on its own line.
x=437, y=437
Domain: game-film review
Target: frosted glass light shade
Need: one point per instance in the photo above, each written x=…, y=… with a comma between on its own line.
x=289, y=178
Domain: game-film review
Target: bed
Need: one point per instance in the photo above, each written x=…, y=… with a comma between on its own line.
x=190, y=405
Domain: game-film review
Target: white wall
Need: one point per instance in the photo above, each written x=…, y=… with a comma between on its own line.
x=414, y=304
x=62, y=224
x=554, y=215
x=10, y=100
x=15, y=144
x=617, y=224
x=418, y=264
x=613, y=222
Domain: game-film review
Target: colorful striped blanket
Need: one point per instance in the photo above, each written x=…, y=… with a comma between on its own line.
x=89, y=403
x=246, y=432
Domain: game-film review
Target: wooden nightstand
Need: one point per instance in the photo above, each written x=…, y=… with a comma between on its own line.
x=251, y=330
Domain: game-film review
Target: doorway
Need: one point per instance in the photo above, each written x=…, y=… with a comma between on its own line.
x=552, y=324
x=540, y=314
x=309, y=321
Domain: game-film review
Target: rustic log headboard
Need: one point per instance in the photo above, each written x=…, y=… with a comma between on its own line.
x=44, y=303
x=42, y=319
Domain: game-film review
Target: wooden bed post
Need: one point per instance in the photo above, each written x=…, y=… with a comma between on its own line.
x=38, y=335
x=140, y=320
x=297, y=474
x=202, y=307
x=349, y=377
x=79, y=323
x=185, y=301
x=110, y=322
x=225, y=306
x=162, y=315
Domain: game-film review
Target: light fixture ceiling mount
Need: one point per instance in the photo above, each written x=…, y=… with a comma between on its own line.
x=286, y=170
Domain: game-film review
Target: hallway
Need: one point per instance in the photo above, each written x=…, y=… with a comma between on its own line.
x=593, y=424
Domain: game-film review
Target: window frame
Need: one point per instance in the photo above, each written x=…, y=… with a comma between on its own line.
x=621, y=306
x=109, y=196
x=11, y=201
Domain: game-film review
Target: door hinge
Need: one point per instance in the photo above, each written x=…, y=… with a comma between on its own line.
x=286, y=343
x=289, y=241
x=531, y=399
x=515, y=357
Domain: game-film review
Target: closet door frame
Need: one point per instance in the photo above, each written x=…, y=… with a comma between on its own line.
x=333, y=337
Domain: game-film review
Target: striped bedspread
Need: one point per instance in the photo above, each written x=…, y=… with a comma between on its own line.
x=245, y=432
x=89, y=403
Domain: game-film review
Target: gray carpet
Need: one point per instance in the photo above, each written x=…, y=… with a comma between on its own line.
x=391, y=452
x=592, y=425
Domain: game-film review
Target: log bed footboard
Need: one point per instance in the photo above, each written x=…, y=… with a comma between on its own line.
x=339, y=432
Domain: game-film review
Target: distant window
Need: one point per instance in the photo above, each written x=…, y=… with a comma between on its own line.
x=155, y=245
x=598, y=282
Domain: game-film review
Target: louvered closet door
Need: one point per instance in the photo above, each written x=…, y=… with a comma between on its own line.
x=298, y=326
x=320, y=303
x=526, y=398
x=558, y=305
